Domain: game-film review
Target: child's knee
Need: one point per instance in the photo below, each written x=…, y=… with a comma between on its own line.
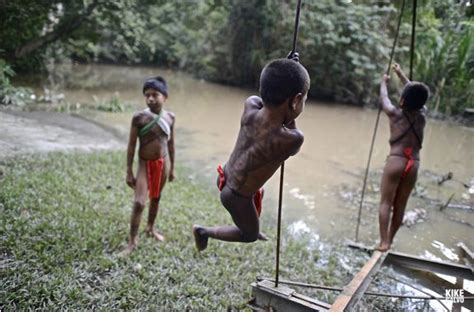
x=249, y=237
x=138, y=205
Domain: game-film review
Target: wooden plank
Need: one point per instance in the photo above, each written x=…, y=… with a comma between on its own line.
x=282, y=298
x=352, y=293
x=467, y=254
x=417, y=263
x=437, y=284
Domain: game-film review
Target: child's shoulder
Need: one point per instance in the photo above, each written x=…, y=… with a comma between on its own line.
x=140, y=114
x=254, y=101
x=169, y=115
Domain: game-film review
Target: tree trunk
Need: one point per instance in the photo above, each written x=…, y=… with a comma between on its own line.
x=62, y=29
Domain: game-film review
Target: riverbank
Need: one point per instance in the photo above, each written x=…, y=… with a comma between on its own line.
x=65, y=218
x=41, y=131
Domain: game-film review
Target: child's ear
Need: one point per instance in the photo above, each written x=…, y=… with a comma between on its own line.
x=296, y=100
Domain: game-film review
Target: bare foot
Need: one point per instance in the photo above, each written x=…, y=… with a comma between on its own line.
x=200, y=237
x=128, y=250
x=151, y=232
x=383, y=247
x=262, y=237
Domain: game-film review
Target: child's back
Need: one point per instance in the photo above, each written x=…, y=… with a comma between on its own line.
x=267, y=137
x=262, y=145
x=407, y=123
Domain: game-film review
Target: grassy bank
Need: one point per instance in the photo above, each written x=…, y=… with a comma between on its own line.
x=65, y=217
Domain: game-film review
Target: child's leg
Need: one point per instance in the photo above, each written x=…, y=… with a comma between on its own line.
x=244, y=215
x=403, y=193
x=152, y=212
x=154, y=207
x=138, y=206
x=390, y=179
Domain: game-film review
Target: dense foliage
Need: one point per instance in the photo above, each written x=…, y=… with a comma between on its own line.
x=344, y=44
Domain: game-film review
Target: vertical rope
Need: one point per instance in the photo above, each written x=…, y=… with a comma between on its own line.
x=297, y=22
x=412, y=45
x=282, y=169
x=280, y=200
x=377, y=124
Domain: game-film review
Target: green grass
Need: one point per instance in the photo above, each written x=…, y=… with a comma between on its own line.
x=66, y=216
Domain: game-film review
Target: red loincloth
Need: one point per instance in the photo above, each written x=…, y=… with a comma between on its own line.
x=257, y=198
x=154, y=169
x=408, y=153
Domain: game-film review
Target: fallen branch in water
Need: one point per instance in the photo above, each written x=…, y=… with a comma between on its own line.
x=462, y=222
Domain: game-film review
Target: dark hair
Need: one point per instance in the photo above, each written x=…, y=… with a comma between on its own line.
x=281, y=79
x=158, y=83
x=414, y=95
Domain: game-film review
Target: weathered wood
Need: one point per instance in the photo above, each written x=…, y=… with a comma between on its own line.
x=356, y=288
x=466, y=254
x=459, y=206
x=417, y=263
x=282, y=298
x=437, y=284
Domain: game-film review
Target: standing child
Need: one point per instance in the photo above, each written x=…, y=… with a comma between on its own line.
x=407, y=123
x=267, y=137
x=154, y=127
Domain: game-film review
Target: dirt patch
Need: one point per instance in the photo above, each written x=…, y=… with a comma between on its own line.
x=39, y=131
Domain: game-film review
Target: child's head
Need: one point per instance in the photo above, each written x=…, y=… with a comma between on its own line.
x=155, y=91
x=281, y=80
x=414, y=96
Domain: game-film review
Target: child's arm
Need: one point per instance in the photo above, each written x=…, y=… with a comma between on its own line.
x=132, y=142
x=171, y=148
x=398, y=70
x=387, y=106
x=296, y=137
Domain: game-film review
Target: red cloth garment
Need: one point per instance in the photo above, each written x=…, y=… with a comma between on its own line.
x=154, y=169
x=257, y=198
x=408, y=153
x=221, y=185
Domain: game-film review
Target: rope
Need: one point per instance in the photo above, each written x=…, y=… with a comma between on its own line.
x=280, y=199
x=377, y=124
x=282, y=169
x=412, y=44
x=297, y=22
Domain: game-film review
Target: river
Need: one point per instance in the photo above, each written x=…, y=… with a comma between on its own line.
x=323, y=181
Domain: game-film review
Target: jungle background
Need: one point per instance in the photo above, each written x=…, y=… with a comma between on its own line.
x=344, y=44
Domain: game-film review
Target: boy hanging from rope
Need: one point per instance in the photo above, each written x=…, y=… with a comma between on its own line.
x=154, y=127
x=407, y=123
x=267, y=137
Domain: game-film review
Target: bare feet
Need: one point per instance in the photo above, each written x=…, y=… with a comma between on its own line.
x=200, y=237
x=151, y=232
x=262, y=237
x=132, y=245
x=383, y=247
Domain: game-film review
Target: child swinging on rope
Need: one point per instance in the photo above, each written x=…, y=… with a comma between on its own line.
x=154, y=127
x=267, y=137
x=407, y=123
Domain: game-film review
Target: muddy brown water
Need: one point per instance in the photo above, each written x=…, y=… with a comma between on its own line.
x=323, y=181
